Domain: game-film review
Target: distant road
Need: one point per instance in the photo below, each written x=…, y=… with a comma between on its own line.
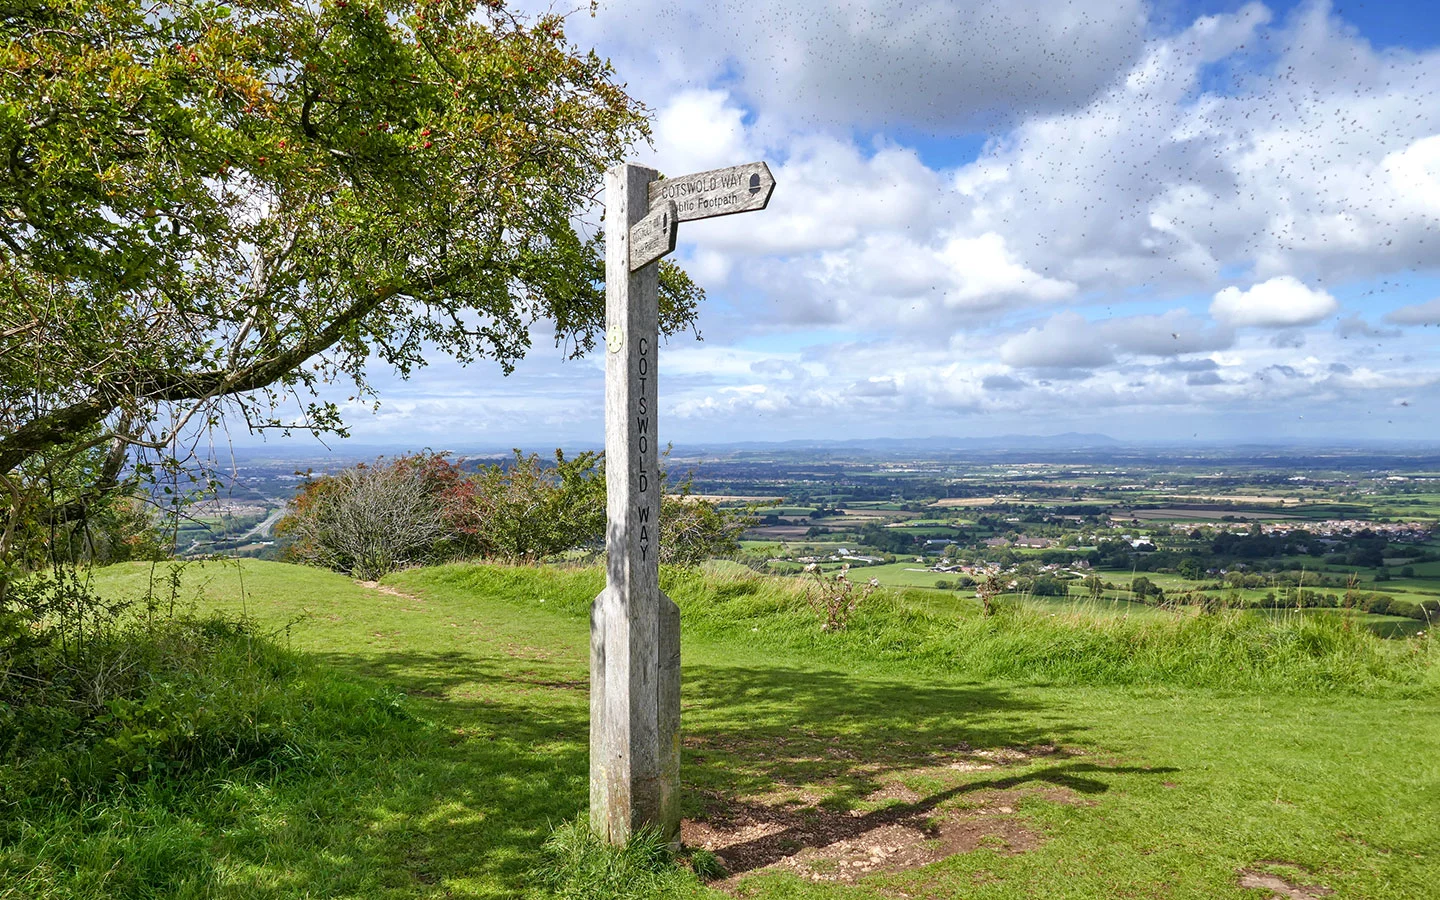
x=263, y=528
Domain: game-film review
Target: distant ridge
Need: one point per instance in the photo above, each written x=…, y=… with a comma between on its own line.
x=1053, y=446
x=1071, y=440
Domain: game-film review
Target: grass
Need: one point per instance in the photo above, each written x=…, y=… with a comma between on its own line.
x=1325, y=756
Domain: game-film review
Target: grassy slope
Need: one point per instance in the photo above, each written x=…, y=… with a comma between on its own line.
x=1187, y=785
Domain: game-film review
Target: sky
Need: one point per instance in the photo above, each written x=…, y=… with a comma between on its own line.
x=1160, y=221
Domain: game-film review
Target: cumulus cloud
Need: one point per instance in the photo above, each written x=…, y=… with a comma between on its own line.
x=1314, y=155
x=829, y=195
x=956, y=273
x=1281, y=302
x=1069, y=340
x=1415, y=173
x=697, y=130
x=1418, y=314
x=1065, y=341
x=878, y=63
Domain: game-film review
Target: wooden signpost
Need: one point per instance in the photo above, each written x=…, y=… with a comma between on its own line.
x=634, y=627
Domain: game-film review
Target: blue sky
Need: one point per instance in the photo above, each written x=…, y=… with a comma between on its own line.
x=1152, y=220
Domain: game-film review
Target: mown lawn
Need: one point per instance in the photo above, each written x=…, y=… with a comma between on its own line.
x=1040, y=789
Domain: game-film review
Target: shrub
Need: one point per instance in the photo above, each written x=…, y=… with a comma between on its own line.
x=834, y=597
x=525, y=512
x=368, y=521
x=693, y=530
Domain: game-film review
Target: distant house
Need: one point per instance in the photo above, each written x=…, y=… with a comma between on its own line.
x=1034, y=542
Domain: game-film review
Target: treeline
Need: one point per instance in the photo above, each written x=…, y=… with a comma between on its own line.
x=369, y=520
x=1289, y=596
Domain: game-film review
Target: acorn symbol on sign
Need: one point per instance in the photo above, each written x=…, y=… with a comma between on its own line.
x=754, y=182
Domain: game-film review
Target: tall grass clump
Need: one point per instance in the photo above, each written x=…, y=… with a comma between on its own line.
x=580, y=866
x=122, y=727
x=1020, y=642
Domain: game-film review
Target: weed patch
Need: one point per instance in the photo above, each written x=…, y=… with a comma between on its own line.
x=580, y=866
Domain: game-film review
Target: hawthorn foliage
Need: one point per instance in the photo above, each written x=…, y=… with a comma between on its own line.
x=370, y=520
x=208, y=209
x=524, y=511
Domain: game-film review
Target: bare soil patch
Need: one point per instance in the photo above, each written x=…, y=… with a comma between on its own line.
x=827, y=845
x=388, y=590
x=793, y=831
x=735, y=498
x=1281, y=888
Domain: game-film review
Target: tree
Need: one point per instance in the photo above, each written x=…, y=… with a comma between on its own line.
x=209, y=209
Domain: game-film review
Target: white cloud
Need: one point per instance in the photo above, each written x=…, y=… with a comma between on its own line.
x=958, y=274
x=1419, y=314
x=829, y=195
x=1321, y=161
x=1065, y=341
x=1415, y=174
x=698, y=130
x=935, y=64
x=1281, y=302
x=1069, y=340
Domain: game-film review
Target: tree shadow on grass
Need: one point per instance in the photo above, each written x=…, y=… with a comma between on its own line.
x=752, y=731
x=789, y=759
x=793, y=830
x=464, y=810
x=461, y=810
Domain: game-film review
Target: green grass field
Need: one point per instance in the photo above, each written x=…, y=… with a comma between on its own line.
x=1034, y=756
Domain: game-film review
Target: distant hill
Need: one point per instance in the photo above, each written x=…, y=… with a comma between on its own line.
x=1068, y=441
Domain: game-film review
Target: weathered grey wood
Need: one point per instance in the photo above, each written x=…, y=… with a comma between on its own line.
x=634, y=628
x=717, y=192
x=669, y=717
x=629, y=755
x=654, y=236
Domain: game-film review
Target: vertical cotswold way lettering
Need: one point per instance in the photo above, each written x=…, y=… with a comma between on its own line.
x=642, y=446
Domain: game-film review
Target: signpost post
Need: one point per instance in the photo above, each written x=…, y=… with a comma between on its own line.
x=634, y=627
